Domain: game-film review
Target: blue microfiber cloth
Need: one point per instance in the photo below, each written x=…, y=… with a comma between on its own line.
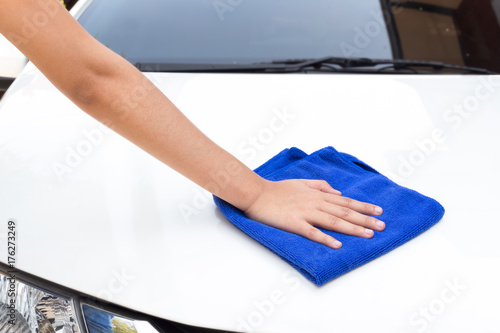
x=407, y=213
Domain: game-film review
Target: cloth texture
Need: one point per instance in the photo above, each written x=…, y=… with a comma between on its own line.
x=407, y=213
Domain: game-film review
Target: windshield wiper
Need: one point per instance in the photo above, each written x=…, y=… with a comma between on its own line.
x=325, y=64
x=211, y=68
x=380, y=65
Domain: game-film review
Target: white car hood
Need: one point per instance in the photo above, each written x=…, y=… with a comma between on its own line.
x=99, y=215
x=12, y=61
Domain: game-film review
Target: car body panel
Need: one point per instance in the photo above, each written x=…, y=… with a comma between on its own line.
x=98, y=215
x=12, y=61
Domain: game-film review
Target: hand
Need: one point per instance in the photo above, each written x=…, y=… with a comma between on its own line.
x=300, y=206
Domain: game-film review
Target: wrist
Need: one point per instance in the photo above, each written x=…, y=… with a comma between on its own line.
x=244, y=189
x=234, y=183
x=253, y=193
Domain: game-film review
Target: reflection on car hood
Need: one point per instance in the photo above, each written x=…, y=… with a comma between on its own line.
x=99, y=215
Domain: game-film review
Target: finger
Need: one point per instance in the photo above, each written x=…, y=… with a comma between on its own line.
x=316, y=235
x=358, y=206
x=321, y=185
x=354, y=217
x=334, y=223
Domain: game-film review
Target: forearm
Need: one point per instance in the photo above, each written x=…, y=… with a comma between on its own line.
x=133, y=107
x=110, y=89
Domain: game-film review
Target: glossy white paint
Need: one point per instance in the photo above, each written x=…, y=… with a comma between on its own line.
x=12, y=60
x=124, y=227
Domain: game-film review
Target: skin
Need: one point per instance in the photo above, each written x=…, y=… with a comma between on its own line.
x=114, y=92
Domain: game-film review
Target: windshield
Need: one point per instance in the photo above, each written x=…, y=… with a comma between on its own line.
x=458, y=32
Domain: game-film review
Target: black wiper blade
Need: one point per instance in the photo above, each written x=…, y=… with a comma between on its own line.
x=393, y=64
x=343, y=62
x=325, y=64
x=435, y=65
x=282, y=66
x=210, y=68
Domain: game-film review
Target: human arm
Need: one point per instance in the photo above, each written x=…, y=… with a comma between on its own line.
x=114, y=92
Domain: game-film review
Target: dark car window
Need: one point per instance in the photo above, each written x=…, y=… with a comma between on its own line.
x=459, y=32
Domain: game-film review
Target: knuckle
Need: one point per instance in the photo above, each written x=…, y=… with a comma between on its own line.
x=347, y=202
x=312, y=233
x=345, y=212
x=334, y=221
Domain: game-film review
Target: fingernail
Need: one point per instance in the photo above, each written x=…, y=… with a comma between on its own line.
x=378, y=210
x=380, y=225
x=337, y=244
x=369, y=232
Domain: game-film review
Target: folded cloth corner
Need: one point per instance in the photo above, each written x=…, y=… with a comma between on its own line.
x=407, y=213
